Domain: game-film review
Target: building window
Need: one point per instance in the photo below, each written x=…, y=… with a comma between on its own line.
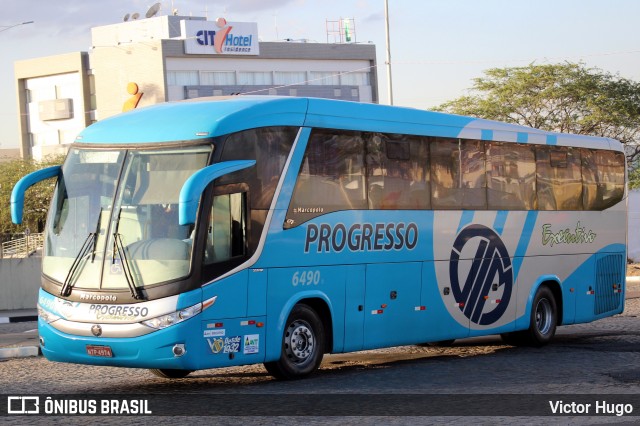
x=355, y=79
x=183, y=78
x=324, y=78
x=289, y=77
x=218, y=78
x=255, y=78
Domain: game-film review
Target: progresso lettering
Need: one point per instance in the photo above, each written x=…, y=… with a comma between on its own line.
x=118, y=311
x=325, y=238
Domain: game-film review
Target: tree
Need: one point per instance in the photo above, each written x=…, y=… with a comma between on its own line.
x=561, y=98
x=37, y=198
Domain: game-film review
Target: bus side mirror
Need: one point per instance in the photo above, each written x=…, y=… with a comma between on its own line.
x=17, y=194
x=197, y=182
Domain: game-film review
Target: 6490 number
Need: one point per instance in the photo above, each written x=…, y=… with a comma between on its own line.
x=305, y=278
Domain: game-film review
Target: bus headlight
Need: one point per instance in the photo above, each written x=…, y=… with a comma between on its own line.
x=165, y=321
x=47, y=316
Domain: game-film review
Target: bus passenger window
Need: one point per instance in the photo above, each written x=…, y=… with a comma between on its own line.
x=511, y=176
x=602, y=178
x=458, y=174
x=332, y=176
x=398, y=172
x=558, y=178
x=227, y=229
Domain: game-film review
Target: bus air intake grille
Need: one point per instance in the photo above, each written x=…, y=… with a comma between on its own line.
x=609, y=281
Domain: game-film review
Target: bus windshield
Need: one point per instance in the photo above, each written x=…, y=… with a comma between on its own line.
x=114, y=218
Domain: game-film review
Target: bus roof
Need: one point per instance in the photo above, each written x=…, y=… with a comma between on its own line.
x=209, y=117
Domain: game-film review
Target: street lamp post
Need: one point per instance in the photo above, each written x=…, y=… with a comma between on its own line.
x=388, y=62
x=8, y=27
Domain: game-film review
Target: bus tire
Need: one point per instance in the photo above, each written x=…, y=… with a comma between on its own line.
x=303, y=343
x=542, y=323
x=170, y=373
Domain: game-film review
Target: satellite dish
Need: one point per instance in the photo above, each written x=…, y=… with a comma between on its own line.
x=153, y=10
x=126, y=17
x=135, y=16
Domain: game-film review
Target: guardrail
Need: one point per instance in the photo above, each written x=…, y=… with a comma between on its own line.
x=22, y=247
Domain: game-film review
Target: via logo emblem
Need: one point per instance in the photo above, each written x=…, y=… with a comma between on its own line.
x=490, y=265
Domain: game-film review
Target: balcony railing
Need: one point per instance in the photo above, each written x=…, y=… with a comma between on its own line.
x=22, y=247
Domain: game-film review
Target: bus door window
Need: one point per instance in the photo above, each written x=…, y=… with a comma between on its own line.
x=226, y=238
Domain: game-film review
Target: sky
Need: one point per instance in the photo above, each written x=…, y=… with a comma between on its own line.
x=437, y=46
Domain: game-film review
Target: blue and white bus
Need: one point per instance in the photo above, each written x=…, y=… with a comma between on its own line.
x=211, y=233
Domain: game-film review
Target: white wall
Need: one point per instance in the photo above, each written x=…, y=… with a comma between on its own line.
x=54, y=133
x=20, y=282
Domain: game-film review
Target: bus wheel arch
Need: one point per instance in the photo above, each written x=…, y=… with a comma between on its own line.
x=545, y=314
x=302, y=345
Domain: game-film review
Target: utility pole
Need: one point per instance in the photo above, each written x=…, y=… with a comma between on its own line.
x=388, y=62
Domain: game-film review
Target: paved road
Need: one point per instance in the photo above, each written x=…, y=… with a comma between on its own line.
x=600, y=358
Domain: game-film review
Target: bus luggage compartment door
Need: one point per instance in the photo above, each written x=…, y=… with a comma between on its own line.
x=391, y=297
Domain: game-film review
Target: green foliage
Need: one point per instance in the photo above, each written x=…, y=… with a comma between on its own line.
x=561, y=98
x=37, y=197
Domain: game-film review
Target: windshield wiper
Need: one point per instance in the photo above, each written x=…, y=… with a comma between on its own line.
x=118, y=247
x=84, y=250
x=89, y=244
x=126, y=269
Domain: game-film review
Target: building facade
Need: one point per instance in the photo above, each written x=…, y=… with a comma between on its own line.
x=171, y=58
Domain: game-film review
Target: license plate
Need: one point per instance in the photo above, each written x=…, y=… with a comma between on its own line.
x=102, y=351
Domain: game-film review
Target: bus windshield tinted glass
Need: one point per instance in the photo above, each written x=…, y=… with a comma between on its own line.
x=129, y=194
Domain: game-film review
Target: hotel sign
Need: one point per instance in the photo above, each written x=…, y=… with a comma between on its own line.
x=220, y=37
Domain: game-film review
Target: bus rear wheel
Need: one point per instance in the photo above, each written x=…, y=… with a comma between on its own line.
x=542, y=323
x=169, y=373
x=302, y=345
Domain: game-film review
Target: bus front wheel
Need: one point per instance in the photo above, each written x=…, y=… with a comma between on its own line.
x=302, y=345
x=542, y=323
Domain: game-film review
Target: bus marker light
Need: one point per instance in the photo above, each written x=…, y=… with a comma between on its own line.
x=250, y=322
x=259, y=324
x=218, y=325
x=461, y=304
x=377, y=312
x=383, y=306
x=420, y=308
x=486, y=298
x=209, y=302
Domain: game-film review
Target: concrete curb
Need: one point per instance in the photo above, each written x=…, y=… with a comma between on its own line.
x=20, y=352
x=26, y=318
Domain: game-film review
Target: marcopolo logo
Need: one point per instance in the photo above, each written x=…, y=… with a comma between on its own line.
x=490, y=272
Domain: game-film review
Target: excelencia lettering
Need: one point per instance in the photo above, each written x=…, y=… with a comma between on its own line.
x=565, y=236
x=325, y=238
x=601, y=407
